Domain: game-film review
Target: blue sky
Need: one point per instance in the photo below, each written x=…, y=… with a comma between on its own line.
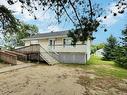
x=46, y=22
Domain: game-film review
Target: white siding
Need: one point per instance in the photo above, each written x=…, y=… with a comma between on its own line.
x=88, y=49
x=60, y=47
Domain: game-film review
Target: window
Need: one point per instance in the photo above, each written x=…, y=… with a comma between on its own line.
x=50, y=42
x=67, y=41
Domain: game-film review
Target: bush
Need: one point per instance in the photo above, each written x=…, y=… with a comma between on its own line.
x=121, y=52
x=121, y=56
x=1, y=61
x=110, y=48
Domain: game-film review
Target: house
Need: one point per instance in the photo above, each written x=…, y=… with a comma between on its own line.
x=99, y=52
x=58, y=46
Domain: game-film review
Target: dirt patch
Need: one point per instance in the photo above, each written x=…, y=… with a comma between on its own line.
x=4, y=65
x=40, y=80
x=58, y=80
x=103, y=86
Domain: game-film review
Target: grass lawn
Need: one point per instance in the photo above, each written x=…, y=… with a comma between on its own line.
x=102, y=68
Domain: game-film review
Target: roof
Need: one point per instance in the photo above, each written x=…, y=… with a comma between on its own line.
x=49, y=34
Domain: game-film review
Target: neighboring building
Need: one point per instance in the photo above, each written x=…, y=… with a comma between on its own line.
x=99, y=52
x=60, y=44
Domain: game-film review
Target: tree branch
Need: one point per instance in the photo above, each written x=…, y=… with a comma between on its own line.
x=67, y=13
x=75, y=13
x=91, y=10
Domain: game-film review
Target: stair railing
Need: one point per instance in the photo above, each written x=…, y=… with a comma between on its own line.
x=49, y=52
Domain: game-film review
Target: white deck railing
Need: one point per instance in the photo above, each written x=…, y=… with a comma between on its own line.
x=68, y=48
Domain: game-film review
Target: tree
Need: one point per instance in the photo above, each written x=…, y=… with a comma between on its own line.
x=124, y=38
x=8, y=23
x=100, y=46
x=25, y=30
x=15, y=39
x=94, y=48
x=121, y=52
x=9, y=41
x=82, y=13
x=110, y=48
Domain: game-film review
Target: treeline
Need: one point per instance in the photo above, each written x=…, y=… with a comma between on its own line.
x=117, y=51
x=13, y=30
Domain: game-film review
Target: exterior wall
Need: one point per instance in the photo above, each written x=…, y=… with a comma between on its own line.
x=88, y=49
x=66, y=54
x=71, y=57
x=27, y=43
x=59, y=41
x=44, y=43
x=59, y=46
x=78, y=48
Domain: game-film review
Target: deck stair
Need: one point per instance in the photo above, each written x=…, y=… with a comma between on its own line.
x=47, y=57
x=37, y=48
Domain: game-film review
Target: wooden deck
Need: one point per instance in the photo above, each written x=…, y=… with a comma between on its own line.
x=12, y=57
x=8, y=57
x=36, y=50
x=29, y=49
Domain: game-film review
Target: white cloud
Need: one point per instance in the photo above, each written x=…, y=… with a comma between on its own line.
x=17, y=10
x=47, y=19
x=110, y=19
x=26, y=16
x=54, y=28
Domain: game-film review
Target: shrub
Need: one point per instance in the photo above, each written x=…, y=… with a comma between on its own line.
x=121, y=52
x=110, y=48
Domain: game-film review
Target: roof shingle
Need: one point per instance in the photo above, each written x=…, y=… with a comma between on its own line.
x=50, y=34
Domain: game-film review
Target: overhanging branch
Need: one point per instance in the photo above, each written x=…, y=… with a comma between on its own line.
x=67, y=13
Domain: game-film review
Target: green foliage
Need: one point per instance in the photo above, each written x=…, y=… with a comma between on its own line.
x=100, y=46
x=115, y=52
x=121, y=56
x=14, y=30
x=106, y=68
x=25, y=30
x=95, y=60
x=9, y=41
x=1, y=61
x=15, y=39
x=94, y=48
x=101, y=68
x=85, y=33
x=110, y=48
x=124, y=38
x=82, y=13
x=121, y=52
x=8, y=23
